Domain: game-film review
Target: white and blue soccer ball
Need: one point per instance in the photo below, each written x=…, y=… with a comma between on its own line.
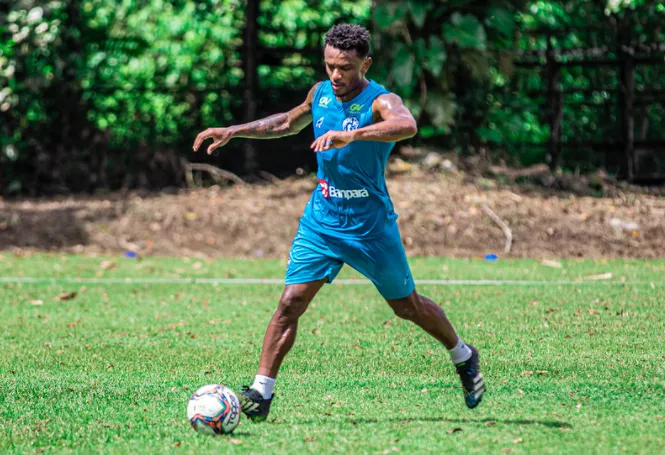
x=214, y=409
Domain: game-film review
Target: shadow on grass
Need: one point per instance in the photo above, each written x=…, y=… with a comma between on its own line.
x=485, y=421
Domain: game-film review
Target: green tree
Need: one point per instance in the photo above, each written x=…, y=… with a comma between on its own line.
x=441, y=55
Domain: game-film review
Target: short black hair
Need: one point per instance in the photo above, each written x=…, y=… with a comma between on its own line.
x=349, y=36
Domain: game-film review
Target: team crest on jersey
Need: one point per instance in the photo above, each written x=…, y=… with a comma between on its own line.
x=350, y=124
x=324, y=101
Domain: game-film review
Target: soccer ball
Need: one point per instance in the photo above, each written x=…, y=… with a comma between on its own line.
x=214, y=409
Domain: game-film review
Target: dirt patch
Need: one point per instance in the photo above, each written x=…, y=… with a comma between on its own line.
x=439, y=214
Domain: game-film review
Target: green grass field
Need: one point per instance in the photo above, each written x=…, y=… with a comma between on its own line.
x=574, y=367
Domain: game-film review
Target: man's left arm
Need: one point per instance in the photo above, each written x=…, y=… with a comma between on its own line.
x=392, y=122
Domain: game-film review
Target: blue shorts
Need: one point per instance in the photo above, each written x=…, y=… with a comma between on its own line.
x=315, y=256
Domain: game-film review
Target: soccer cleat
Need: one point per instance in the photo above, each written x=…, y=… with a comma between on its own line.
x=253, y=405
x=472, y=379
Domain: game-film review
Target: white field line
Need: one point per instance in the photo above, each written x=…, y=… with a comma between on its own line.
x=275, y=281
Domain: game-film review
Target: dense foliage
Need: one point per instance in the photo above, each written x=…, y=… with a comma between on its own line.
x=101, y=94
x=478, y=74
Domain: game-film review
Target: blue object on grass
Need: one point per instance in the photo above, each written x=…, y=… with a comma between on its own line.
x=131, y=254
x=491, y=257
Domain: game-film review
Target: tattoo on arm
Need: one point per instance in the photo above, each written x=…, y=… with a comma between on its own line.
x=274, y=126
x=279, y=125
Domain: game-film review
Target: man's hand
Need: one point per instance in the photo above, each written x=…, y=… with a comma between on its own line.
x=332, y=139
x=219, y=136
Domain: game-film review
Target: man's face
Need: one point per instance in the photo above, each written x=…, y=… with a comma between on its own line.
x=346, y=69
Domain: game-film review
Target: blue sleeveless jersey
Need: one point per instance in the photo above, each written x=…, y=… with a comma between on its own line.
x=351, y=199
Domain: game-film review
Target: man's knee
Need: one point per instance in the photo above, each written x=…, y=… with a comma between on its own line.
x=292, y=305
x=407, y=308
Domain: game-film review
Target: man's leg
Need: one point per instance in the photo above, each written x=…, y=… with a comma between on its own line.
x=277, y=342
x=281, y=332
x=383, y=260
x=312, y=263
x=432, y=319
x=428, y=315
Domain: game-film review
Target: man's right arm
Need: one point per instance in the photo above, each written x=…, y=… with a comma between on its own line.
x=274, y=126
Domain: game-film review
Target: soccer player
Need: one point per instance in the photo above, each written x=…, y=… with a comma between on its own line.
x=349, y=218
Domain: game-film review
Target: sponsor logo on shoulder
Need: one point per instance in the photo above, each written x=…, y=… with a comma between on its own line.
x=356, y=107
x=324, y=101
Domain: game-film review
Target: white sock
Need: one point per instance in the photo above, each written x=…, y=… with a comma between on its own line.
x=460, y=353
x=265, y=385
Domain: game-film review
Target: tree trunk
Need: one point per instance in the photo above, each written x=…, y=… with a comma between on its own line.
x=627, y=101
x=554, y=108
x=250, y=44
